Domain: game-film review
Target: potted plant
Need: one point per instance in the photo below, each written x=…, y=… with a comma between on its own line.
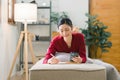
x=55, y=16
x=96, y=36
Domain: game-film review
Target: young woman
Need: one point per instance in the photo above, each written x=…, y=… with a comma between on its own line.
x=66, y=42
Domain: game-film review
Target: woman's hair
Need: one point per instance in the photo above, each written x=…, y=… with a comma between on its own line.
x=65, y=21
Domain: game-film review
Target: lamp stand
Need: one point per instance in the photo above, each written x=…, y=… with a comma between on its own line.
x=28, y=40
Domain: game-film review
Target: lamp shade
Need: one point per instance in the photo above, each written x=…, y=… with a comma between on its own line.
x=25, y=12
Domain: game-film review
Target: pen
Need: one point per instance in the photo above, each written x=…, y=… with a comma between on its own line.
x=52, y=55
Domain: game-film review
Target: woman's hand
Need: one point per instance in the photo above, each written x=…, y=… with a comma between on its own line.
x=53, y=60
x=77, y=59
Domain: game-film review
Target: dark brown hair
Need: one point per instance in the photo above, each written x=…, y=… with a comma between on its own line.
x=65, y=21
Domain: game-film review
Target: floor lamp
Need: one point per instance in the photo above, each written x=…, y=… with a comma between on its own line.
x=24, y=12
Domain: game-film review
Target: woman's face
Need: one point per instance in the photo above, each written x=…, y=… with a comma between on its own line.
x=65, y=30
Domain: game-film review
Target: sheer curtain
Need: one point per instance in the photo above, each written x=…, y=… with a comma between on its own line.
x=0, y=45
x=8, y=42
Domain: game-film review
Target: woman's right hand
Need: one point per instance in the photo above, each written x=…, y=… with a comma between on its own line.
x=53, y=60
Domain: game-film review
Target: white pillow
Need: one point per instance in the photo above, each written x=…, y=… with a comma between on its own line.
x=63, y=57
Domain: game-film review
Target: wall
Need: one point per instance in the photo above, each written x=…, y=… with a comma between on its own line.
x=76, y=9
x=8, y=41
x=0, y=39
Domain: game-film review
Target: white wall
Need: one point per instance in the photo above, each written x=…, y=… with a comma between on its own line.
x=0, y=40
x=76, y=9
x=8, y=41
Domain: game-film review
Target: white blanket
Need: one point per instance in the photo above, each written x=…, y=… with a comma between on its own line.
x=111, y=71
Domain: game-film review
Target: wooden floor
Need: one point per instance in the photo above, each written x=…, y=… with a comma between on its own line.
x=18, y=76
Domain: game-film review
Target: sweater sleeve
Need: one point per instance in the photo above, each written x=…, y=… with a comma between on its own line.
x=82, y=49
x=51, y=50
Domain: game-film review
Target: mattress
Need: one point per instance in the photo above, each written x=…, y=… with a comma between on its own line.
x=64, y=71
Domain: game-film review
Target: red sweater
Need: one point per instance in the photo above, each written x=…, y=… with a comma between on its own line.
x=59, y=45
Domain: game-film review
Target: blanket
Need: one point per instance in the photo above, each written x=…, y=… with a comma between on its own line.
x=111, y=71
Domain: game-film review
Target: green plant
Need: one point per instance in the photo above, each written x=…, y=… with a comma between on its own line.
x=96, y=36
x=55, y=16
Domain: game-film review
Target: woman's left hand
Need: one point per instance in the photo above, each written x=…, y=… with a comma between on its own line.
x=77, y=59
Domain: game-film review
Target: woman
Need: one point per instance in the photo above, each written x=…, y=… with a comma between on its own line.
x=66, y=42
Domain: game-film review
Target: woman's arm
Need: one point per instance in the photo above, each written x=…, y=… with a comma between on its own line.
x=51, y=50
x=82, y=49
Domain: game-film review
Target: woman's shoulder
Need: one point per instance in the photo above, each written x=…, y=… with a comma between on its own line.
x=78, y=36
